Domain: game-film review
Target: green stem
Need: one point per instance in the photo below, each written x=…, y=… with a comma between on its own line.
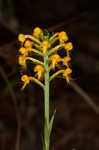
x=33, y=38
x=35, y=51
x=55, y=49
x=55, y=74
x=36, y=61
x=54, y=37
x=46, y=104
x=37, y=81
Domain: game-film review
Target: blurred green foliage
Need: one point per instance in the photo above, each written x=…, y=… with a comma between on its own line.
x=7, y=7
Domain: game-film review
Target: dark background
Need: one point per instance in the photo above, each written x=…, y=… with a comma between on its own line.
x=76, y=123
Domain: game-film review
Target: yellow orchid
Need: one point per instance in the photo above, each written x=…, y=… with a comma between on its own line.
x=22, y=61
x=26, y=81
x=21, y=37
x=66, y=74
x=46, y=59
x=39, y=71
x=68, y=46
x=45, y=45
x=62, y=37
x=55, y=59
x=65, y=61
x=23, y=51
x=28, y=44
x=36, y=32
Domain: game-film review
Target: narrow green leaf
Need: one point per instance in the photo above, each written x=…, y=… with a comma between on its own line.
x=43, y=144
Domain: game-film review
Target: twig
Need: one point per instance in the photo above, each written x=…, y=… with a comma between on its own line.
x=12, y=93
x=85, y=96
x=65, y=139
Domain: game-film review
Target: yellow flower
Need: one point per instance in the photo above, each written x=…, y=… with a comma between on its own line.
x=36, y=32
x=23, y=51
x=39, y=71
x=22, y=61
x=65, y=60
x=63, y=37
x=45, y=45
x=68, y=46
x=26, y=80
x=66, y=74
x=21, y=37
x=55, y=58
x=28, y=44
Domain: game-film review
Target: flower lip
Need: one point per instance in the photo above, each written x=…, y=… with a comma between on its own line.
x=22, y=61
x=66, y=74
x=45, y=45
x=68, y=46
x=28, y=44
x=24, y=78
x=39, y=69
x=26, y=81
x=63, y=37
x=65, y=60
x=23, y=51
x=55, y=58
